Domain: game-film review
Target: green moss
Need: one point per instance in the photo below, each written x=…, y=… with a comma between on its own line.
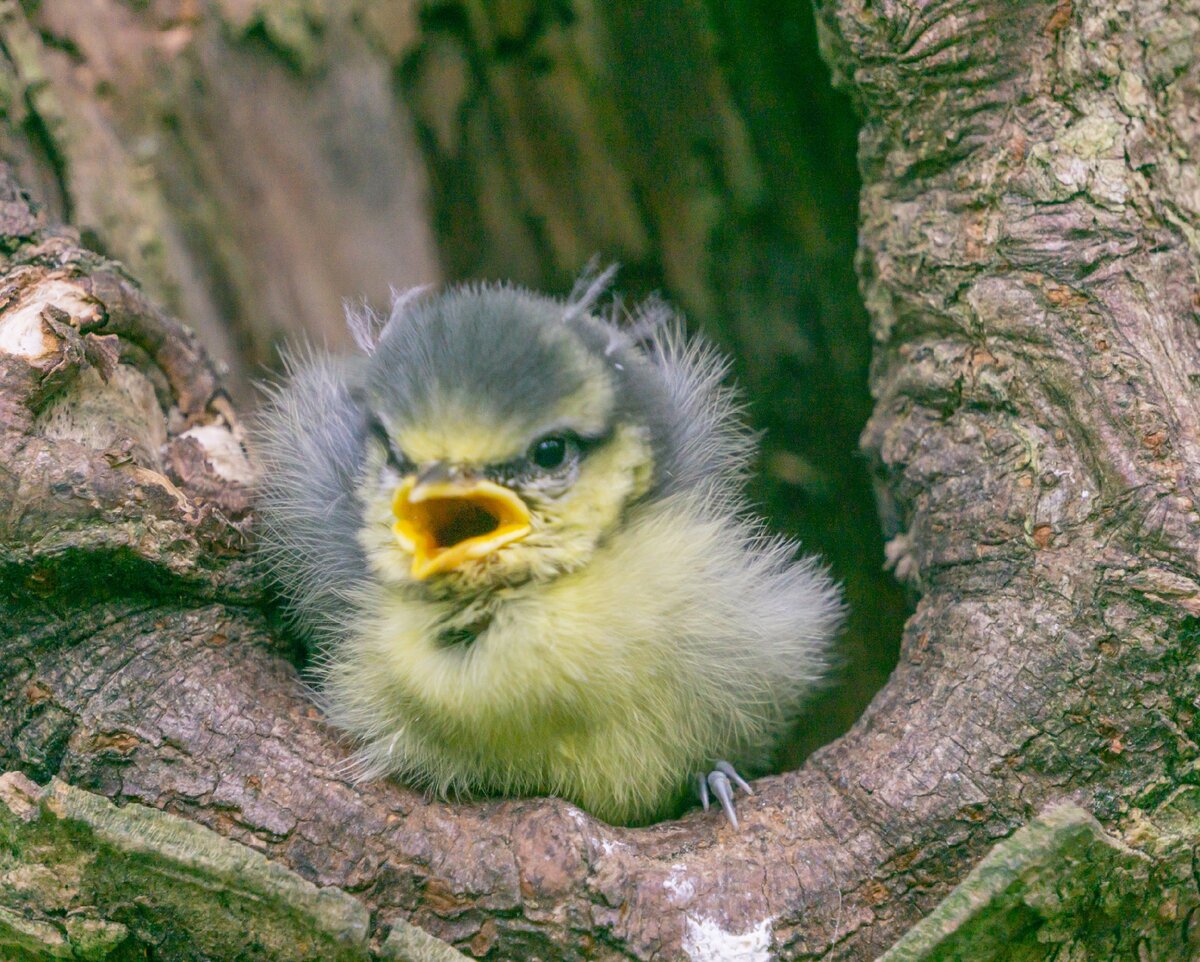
x=203, y=895
x=1062, y=887
x=290, y=29
x=87, y=879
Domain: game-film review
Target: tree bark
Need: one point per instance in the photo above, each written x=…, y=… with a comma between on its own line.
x=247, y=161
x=1029, y=257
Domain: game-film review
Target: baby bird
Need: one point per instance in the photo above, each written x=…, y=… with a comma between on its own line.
x=515, y=530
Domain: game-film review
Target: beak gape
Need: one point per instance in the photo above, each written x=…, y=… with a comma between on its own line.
x=446, y=523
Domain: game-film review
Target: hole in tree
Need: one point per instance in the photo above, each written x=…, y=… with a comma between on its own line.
x=749, y=130
x=720, y=169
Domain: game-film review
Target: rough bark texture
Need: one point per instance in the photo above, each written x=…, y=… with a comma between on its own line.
x=1029, y=255
x=246, y=160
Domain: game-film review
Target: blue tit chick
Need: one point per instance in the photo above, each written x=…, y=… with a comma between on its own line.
x=516, y=531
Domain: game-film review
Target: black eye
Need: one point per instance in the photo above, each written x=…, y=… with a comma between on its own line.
x=394, y=457
x=550, y=452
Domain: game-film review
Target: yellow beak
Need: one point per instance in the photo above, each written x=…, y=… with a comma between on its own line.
x=447, y=523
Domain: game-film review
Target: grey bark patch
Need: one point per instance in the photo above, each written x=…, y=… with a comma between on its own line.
x=406, y=943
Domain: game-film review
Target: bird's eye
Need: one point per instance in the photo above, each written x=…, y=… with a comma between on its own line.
x=550, y=452
x=397, y=460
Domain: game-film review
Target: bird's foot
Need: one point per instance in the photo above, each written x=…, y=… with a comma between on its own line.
x=721, y=781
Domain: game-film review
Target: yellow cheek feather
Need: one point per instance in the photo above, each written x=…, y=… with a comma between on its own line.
x=610, y=479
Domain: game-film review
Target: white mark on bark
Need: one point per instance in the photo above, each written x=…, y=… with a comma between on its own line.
x=21, y=329
x=680, y=885
x=587, y=829
x=704, y=940
x=223, y=452
x=608, y=846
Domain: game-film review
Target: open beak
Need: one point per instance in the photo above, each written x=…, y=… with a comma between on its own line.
x=446, y=523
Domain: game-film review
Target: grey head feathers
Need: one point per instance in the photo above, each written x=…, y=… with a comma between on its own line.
x=309, y=446
x=500, y=353
x=515, y=354
x=497, y=350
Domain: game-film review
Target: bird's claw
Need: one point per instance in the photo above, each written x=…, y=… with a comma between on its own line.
x=721, y=781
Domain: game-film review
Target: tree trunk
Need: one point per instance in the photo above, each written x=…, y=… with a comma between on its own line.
x=1029, y=255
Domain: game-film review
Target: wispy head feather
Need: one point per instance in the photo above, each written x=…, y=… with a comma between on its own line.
x=403, y=300
x=367, y=325
x=589, y=288
x=364, y=323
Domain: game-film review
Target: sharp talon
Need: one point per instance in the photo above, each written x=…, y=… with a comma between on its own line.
x=735, y=777
x=703, y=785
x=719, y=783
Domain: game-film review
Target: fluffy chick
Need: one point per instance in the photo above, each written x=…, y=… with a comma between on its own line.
x=516, y=531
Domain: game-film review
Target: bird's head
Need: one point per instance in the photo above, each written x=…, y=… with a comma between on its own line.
x=506, y=436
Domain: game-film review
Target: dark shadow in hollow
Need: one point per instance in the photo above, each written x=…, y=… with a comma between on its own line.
x=810, y=395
